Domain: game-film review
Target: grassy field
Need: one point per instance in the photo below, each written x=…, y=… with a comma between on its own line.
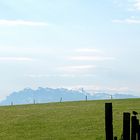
x=62, y=121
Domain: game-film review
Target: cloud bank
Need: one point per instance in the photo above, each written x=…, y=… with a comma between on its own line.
x=137, y=4
x=91, y=58
x=21, y=23
x=128, y=21
x=15, y=59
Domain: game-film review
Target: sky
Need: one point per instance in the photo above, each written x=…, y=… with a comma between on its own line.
x=72, y=44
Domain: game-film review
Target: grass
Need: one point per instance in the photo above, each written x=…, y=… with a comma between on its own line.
x=62, y=121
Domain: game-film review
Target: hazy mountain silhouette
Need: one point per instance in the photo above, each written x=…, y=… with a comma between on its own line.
x=45, y=95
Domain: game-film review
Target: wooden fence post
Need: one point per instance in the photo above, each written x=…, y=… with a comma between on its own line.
x=108, y=121
x=60, y=99
x=137, y=128
x=126, y=126
x=134, y=126
x=34, y=101
x=139, y=132
x=86, y=97
x=12, y=103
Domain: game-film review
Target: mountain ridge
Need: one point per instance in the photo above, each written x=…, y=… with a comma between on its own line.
x=45, y=95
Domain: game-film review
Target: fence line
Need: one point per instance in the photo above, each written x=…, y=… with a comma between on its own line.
x=129, y=131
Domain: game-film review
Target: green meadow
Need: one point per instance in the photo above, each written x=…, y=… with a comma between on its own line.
x=62, y=121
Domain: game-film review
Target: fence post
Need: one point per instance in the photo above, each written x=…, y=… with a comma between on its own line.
x=86, y=97
x=34, y=101
x=126, y=126
x=108, y=121
x=134, y=128
x=12, y=103
x=137, y=128
x=60, y=99
x=139, y=132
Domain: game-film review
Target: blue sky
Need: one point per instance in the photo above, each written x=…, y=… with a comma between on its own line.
x=70, y=43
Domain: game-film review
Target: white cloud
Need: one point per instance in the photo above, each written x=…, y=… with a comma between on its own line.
x=25, y=50
x=65, y=75
x=137, y=4
x=91, y=58
x=77, y=68
x=128, y=21
x=100, y=88
x=88, y=50
x=15, y=59
x=130, y=5
x=49, y=75
x=21, y=23
x=117, y=89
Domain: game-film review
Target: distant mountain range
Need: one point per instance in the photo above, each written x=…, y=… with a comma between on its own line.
x=45, y=95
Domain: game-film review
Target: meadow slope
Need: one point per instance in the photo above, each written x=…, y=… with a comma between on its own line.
x=62, y=121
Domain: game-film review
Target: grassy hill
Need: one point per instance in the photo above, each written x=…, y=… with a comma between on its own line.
x=62, y=121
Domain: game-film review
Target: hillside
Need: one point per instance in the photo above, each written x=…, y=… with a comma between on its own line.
x=61, y=121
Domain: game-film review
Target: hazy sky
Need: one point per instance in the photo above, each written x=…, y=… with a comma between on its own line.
x=70, y=43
